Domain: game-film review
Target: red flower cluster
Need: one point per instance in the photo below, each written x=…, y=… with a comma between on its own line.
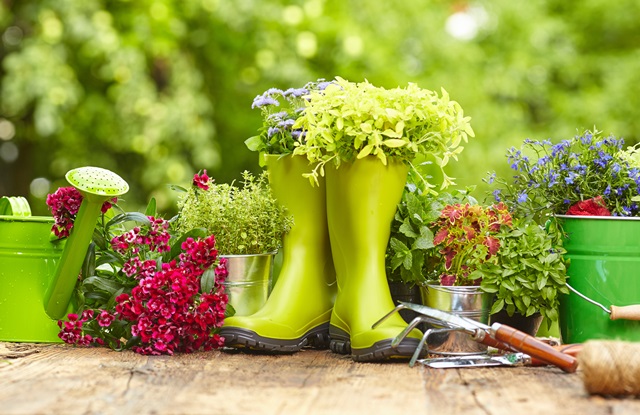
x=155, y=237
x=165, y=309
x=71, y=331
x=590, y=207
x=201, y=180
x=64, y=205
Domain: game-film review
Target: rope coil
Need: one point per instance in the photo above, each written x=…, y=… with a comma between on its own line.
x=610, y=367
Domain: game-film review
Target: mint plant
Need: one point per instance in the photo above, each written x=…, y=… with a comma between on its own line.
x=410, y=255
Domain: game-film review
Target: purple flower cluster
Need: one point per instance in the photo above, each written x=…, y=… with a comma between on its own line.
x=551, y=177
x=280, y=110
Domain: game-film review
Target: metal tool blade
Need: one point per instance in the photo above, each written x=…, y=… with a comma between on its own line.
x=510, y=359
x=453, y=320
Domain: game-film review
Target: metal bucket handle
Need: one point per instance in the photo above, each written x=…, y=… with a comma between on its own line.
x=629, y=312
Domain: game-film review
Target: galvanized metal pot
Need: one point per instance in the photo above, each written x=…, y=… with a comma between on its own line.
x=464, y=301
x=249, y=281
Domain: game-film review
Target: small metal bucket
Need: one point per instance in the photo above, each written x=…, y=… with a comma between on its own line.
x=248, y=282
x=464, y=301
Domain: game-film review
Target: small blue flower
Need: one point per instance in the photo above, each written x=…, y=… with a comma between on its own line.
x=296, y=134
x=586, y=139
x=262, y=100
x=277, y=116
x=296, y=92
x=286, y=124
x=491, y=178
x=626, y=211
x=272, y=131
x=543, y=160
x=560, y=148
x=496, y=195
x=566, y=201
x=547, y=142
x=522, y=197
x=273, y=91
x=570, y=178
x=607, y=191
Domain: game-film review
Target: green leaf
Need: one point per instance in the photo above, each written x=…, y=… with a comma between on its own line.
x=407, y=230
x=151, y=208
x=177, y=188
x=425, y=240
x=126, y=217
x=208, y=280
x=398, y=246
x=102, y=284
x=89, y=263
x=254, y=143
x=497, y=306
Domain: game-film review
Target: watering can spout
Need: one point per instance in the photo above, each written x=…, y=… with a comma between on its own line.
x=97, y=186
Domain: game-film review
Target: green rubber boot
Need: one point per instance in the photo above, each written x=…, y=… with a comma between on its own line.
x=298, y=310
x=362, y=198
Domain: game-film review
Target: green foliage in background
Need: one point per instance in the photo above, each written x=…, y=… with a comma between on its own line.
x=159, y=89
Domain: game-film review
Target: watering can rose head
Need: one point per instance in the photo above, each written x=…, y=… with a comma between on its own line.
x=589, y=174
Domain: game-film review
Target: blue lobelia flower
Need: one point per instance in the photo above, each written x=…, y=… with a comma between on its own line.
x=496, y=195
x=522, y=197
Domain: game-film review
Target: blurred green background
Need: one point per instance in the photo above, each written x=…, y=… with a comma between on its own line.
x=159, y=89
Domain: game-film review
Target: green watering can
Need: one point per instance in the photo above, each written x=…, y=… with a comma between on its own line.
x=37, y=273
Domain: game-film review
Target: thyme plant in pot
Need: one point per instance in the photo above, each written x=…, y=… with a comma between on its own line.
x=364, y=138
x=297, y=312
x=588, y=185
x=249, y=226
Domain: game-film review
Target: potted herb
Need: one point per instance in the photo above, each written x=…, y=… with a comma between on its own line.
x=248, y=225
x=528, y=276
x=364, y=139
x=588, y=185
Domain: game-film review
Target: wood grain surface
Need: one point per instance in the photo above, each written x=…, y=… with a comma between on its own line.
x=59, y=379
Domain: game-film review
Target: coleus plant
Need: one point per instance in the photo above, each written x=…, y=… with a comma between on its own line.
x=465, y=238
x=141, y=287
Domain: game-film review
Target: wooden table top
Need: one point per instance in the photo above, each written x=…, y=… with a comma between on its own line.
x=60, y=379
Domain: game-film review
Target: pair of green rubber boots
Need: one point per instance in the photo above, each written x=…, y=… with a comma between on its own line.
x=332, y=286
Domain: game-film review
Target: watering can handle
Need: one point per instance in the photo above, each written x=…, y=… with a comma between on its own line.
x=629, y=312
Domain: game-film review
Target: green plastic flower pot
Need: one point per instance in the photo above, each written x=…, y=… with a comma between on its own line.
x=605, y=266
x=28, y=260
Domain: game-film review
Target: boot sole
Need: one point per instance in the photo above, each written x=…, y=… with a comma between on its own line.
x=340, y=343
x=317, y=338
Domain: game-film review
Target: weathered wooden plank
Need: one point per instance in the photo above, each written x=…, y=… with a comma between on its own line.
x=54, y=379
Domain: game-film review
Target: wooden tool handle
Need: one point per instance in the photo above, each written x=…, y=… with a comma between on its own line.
x=629, y=312
x=534, y=348
x=570, y=349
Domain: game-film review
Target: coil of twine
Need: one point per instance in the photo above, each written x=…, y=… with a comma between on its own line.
x=610, y=367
